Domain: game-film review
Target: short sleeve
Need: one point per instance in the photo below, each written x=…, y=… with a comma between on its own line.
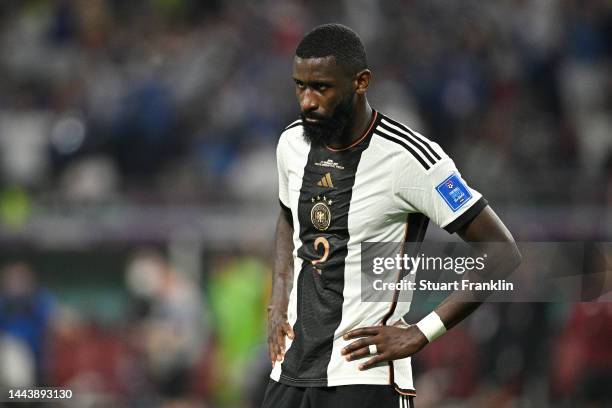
x=439, y=192
x=283, y=178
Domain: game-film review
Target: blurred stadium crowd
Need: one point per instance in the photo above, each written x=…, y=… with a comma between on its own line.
x=169, y=99
x=113, y=104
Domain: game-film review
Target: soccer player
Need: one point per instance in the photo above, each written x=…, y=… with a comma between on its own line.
x=350, y=174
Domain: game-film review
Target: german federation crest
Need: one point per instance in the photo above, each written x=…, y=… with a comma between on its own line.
x=320, y=214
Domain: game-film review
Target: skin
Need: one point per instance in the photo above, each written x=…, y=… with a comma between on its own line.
x=278, y=326
x=320, y=86
x=395, y=342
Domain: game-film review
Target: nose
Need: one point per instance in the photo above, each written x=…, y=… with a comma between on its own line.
x=308, y=101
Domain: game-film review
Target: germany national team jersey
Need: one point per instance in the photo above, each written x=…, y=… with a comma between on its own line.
x=385, y=187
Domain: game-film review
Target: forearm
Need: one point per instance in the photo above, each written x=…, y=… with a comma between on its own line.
x=486, y=234
x=502, y=259
x=282, y=276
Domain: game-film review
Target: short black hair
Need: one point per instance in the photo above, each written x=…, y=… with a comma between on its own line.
x=334, y=40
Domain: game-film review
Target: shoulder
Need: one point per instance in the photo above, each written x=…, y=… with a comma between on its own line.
x=292, y=134
x=293, y=129
x=295, y=124
x=408, y=144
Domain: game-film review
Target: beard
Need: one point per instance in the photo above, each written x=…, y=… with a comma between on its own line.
x=331, y=129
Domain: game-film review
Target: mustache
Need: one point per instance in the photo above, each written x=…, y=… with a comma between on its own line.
x=316, y=116
x=325, y=121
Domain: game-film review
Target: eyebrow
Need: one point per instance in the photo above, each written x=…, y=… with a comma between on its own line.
x=315, y=82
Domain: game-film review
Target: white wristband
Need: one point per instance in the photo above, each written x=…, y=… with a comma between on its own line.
x=431, y=326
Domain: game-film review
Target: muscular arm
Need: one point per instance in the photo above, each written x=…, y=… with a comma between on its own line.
x=485, y=233
x=282, y=277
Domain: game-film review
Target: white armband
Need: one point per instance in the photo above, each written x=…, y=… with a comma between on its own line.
x=431, y=326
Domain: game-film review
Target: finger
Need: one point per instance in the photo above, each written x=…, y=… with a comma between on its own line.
x=281, y=352
x=361, y=353
x=284, y=330
x=272, y=350
x=289, y=330
x=373, y=361
x=362, y=332
x=280, y=337
x=277, y=351
x=278, y=355
x=356, y=345
x=276, y=342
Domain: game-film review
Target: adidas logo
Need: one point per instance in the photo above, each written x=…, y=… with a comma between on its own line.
x=326, y=181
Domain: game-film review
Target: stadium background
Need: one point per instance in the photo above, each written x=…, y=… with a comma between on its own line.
x=138, y=186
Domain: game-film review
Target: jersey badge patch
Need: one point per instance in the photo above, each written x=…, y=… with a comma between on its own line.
x=320, y=214
x=454, y=192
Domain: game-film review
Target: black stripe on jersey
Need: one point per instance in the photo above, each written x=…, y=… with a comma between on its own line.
x=294, y=124
x=320, y=289
x=422, y=139
x=416, y=227
x=409, y=140
x=467, y=216
x=419, y=225
x=405, y=146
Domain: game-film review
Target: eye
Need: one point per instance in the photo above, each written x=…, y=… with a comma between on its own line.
x=299, y=84
x=320, y=87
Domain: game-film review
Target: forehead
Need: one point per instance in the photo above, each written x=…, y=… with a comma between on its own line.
x=320, y=68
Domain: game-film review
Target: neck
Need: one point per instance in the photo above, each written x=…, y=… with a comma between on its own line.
x=361, y=122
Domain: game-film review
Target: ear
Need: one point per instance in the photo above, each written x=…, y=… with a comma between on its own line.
x=362, y=81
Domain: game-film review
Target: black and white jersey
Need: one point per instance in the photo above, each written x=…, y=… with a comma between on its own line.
x=385, y=187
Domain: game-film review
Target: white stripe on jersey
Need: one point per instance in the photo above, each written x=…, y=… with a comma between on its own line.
x=373, y=186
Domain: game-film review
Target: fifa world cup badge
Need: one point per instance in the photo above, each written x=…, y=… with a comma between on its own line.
x=320, y=214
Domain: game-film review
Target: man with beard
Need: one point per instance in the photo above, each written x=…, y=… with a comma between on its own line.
x=348, y=175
